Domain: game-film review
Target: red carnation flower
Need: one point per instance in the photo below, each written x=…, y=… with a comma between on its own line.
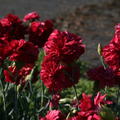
x=23, y=51
x=5, y=49
x=111, y=52
x=66, y=46
x=31, y=16
x=53, y=115
x=16, y=30
x=56, y=76
x=5, y=27
x=19, y=76
x=39, y=32
x=111, y=55
x=105, y=77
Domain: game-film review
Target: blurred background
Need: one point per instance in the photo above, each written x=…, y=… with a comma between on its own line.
x=47, y=8
x=93, y=20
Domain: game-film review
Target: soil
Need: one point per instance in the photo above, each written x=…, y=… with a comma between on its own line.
x=94, y=23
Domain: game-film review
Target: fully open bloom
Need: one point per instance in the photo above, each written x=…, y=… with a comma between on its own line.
x=23, y=51
x=104, y=77
x=57, y=76
x=16, y=29
x=31, y=16
x=111, y=55
x=111, y=52
x=5, y=49
x=66, y=46
x=40, y=31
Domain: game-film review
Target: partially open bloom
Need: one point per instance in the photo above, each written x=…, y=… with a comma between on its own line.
x=57, y=76
x=53, y=115
x=40, y=31
x=31, y=16
x=90, y=109
x=66, y=46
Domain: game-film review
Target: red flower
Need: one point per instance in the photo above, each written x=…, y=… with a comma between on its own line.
x=111, y=52
x=111, y=55
x=40, y=31
x=55, y=100
x=76, y=118
x=56, y=76
x=100, y=99
x=23, y=51
x=90, y=109
x=4, y=49
x=31, y=16
x=66, y=46
x=86, y=102
x=53, y=115
x=105, y=77
x=19, y=76
x=16, y=30
x=117, y=118
x=5, y=27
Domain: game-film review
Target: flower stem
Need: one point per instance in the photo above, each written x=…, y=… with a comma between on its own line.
x=4, y=99
x=42, y=94
x=75, y=89
x=16, y=103
x=102, y=61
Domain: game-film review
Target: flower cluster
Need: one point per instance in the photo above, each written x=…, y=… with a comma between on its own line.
x=109, y=75
x=89, y=109
x=58, y=70
x=20, y=41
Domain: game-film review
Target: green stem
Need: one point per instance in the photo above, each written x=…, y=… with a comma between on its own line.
x=118, y=94
x=42, y=94
x=4, y=99
x=35, y=103
x=16, y=103
x=102, y=61
x=75, y=89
